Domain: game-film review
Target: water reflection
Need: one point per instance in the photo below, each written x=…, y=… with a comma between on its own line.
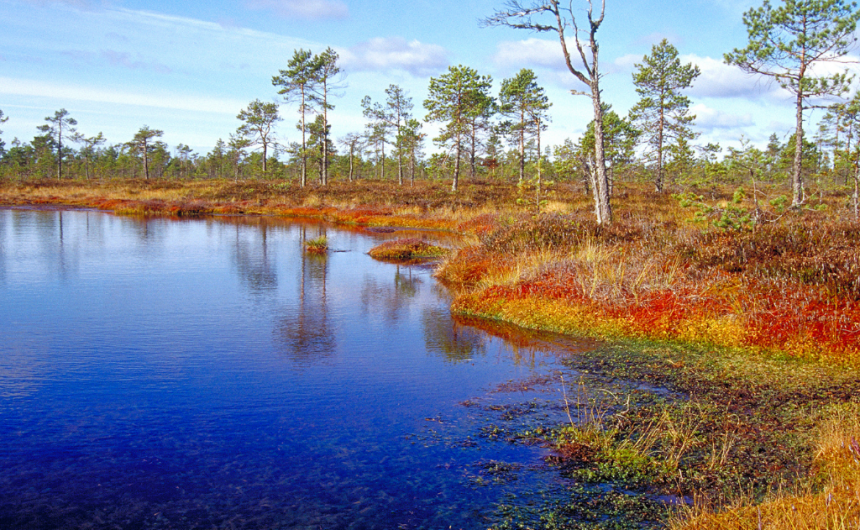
x=524, y=346
x=211, y=374
x=445, y=336
x=390, y=298
x=306, y=333
x=254, y=260
x=48, y=241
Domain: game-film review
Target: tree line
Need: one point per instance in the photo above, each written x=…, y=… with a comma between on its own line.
x=498, y=135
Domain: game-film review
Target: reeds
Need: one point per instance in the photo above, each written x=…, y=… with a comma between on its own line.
x=600, y=432
x=829, y=499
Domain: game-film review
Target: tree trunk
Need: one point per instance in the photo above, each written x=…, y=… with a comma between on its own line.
x=264, y=159
x=603, y=207
x=325, y=135
x=592, y=174
x=522, y=145
x=304, y=145
x=857, y=195
x=60, y=152
x=351, y=151
x=145, y=162
x=457, y=165
x=474, y=149
x=399, y=152
x=796, y=179
x=658, y=185
x=539, y=176
x=412, y=168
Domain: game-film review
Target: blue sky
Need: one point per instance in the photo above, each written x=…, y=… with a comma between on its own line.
x=188, y=68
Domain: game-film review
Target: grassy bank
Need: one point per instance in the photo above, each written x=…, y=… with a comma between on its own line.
x=792, y=286
x=371, y=203
x=758, y=324
x=748, y=312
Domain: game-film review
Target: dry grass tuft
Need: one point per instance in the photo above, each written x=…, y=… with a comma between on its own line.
x=406, y=250
x=318, y=245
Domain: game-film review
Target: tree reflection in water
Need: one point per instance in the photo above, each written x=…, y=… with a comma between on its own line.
x=444, y=335
x=390, y=299
x=254, y=265
x=306, y=333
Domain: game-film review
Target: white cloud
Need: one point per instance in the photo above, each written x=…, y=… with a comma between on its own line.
x=719, y=80
x=531, y=52
x=62, y=92
x=542, y=54
x=302, y=9
x=395, y=53
x=709, y=119
x=625, y=63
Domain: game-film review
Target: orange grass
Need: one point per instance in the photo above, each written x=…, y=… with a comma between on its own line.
x=406, y=249
x=792, y=287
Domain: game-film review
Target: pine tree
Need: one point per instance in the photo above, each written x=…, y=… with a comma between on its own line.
x=392, y=116
x=452, y=99
x=141, y=142
x=297, y=82
x=89, y=148
x=60, y=127
x=325, y=71
x=786, y=42
x=662, y=110
x=521, y=99
x=258, y=127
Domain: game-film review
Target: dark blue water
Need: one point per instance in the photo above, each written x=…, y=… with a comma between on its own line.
x=209, y=374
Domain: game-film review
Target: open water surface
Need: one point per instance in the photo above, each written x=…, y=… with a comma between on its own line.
x=210, y=374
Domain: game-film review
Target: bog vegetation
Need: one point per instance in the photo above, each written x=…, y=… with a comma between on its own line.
x=631, y=231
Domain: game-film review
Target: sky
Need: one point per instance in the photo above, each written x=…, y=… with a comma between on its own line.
x=188, y=68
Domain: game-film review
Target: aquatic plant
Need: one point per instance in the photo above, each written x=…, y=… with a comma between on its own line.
x=317, y=245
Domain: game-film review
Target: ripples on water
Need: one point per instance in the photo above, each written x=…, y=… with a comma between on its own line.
x=209, y=374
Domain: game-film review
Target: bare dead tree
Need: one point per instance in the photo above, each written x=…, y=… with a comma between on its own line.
x=550, y=16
